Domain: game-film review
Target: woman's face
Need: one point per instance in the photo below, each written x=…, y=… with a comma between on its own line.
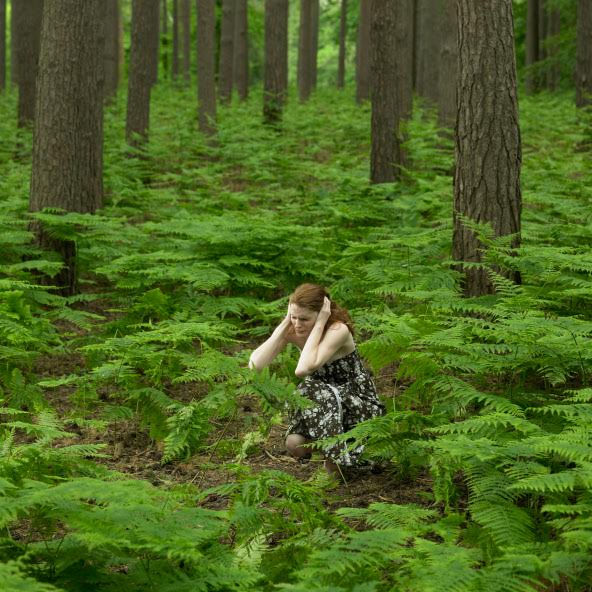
x=303, y=319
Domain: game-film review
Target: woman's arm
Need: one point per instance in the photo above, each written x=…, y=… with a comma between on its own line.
x=319, y=349
x=268, y=350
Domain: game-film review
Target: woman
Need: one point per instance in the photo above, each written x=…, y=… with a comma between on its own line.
x=334, y=378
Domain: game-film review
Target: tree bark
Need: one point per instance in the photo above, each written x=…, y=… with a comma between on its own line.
x=342, y=39
x=206, y=65
x=427, y=50
x=27, y=15
x=226, y=67
x=175, y=68
x=276, y=60
x=154, y=48
x=386, y=153
x=448, y=69
x=314, y=45
x=112, y=49
x=404, y=57
x=488, y=150
x=241, y=50
x=186, y=25
x=2, y=45
x=305, y=41
x=584, y=55
x=363, y=53
x=67, y=170
x=532, y=45
x=141, y=72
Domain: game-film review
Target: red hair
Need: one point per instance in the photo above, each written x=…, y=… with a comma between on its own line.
x=312, y=297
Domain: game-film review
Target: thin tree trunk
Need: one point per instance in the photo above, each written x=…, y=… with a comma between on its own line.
x=386, y=154
x=206, y=65
x=140, y=72
x=404, y=57
x=241, y=50
x=276, y=60
x=186, y=25
x=363, y=53
x=342, y=39
x=543, y=10
x=154, y=48
x=487, y=175
x=448, y=64
x=584, y=55
x=428, y=49
x=164, y=37
x=27, y=14
x=175, y=70
x=13, y=49
x=112, y=50
x=532, y=44
x=225, y=70
x=305, y=37
x=164, y=21
x=314, y=44
x=67, y=170
x=2, y=45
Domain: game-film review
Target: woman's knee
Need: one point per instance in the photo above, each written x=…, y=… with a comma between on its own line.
x=294, y=445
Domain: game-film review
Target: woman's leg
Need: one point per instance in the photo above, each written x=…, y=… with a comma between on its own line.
x=294, y=444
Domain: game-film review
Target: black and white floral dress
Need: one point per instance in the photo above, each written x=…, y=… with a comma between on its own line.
x=344, y=395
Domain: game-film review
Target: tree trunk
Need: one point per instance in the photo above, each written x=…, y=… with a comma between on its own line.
x=342, y=38
x=553, y=32
x=276, y=60
x=2, y=45
x=487, y=176
x=27, y=15
x=164, y=21
x=386, y=156
x=225, y=70
x=305, y=40
x=584, y=55
x=206, y=65
x=154, y=49
x=543, y=9
x=314, y=45
x=112, y=50
x=427, y=50
x=13, y=52
x=175, y=70
x=363, y=54
x=67, y=170
x=241, y=50
x=532, y=44
x=141, y=71
x=186, y=25
x=404, y=57
x=448, y=64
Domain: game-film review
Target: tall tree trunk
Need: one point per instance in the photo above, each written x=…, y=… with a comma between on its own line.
x=164, y=21
x=67, y=170
x=427, y=50
x=2, y=45
x=342, y=38
x=154, y=49
x=584, y=55
x=386, y=154
x=276, y=60
x=27, y=15
x=186, y=22
x=225, y=70
x=305, y=40
x=206, y=65
x=487, y=177
x=164, y=37
x=175, y=70
x=543, y=10
x=363, y=53
x=241, y=50
x=314, y=45
x=553, y=31
x=141, y=71
x=404, y=57
x=112, y=50
x=448, y=64
x=532, y=44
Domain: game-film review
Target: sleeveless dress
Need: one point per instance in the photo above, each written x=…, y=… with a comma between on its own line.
x=344, y=395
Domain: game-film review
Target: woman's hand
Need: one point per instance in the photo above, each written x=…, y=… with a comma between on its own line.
x=324, y=313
